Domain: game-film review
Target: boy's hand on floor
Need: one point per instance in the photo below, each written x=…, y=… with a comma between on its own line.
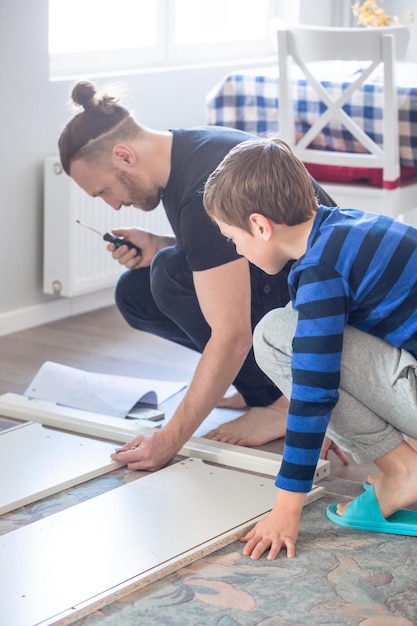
x=277, y=530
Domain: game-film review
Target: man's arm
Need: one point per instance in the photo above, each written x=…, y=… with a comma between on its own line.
x=224, y=296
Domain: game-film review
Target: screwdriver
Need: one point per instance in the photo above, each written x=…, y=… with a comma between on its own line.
x=117, y=241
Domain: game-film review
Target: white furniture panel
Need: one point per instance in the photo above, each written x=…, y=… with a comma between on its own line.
x=62, y=567
x=36, y=462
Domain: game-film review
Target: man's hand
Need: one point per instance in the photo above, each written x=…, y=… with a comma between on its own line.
x=149, y=451
x=149, y=243
x=328, y=445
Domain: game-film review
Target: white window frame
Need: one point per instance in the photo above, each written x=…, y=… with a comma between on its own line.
x=167, y=53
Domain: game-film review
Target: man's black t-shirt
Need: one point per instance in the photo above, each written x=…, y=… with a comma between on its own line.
x=196, y=152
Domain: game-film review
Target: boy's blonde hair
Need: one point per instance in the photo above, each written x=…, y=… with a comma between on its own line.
x=260, y=176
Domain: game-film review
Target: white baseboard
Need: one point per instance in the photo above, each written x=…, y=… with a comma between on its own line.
x=38, y=314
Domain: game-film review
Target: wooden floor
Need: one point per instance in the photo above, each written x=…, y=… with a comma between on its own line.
x=101, y=341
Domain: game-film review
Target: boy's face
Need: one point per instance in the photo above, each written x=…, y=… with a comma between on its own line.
x=258, y=246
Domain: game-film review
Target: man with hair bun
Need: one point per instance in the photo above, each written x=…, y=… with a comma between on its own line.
x=191, y=288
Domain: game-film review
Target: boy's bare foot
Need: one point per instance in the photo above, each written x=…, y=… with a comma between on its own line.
x=411, y=442
x=257, y=426
x=396, y=484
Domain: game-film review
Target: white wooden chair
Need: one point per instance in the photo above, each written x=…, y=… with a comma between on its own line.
x=302, y=46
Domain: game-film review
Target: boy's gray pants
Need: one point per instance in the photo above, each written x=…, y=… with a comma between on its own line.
x=378, y=391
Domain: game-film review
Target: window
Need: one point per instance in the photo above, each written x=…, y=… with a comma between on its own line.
x=95, y=36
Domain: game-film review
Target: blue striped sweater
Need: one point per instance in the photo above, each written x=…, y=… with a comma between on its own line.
x=359, y=269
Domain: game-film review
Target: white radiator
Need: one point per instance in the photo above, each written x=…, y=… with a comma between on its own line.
x=76, y=260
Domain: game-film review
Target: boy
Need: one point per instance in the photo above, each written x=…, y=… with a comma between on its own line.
x=353, y=285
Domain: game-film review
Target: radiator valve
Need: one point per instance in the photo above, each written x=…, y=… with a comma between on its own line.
x=57, y=167
x=56, y=287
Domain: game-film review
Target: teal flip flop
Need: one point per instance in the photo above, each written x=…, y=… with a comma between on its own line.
x=363, y=513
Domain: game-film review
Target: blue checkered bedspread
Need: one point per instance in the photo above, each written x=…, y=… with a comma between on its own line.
x=248, y=100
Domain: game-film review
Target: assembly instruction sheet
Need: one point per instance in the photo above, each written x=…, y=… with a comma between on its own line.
x=98, y=393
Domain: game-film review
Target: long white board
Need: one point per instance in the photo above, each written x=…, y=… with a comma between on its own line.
x=71, y=563
x=123, y=430
x=63, y=567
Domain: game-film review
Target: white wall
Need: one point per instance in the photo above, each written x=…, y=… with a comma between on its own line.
x=401, y=8
x=339, y=13
x=33, y=113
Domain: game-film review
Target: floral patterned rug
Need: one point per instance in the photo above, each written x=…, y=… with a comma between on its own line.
x=338, y=577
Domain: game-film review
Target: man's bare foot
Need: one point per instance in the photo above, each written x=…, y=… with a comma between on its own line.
x=257, y=426
x=329, y=444
x=232, y=401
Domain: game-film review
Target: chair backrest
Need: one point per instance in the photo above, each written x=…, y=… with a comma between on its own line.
x=303, y=46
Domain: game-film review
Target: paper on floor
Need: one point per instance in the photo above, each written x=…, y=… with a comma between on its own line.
x=98, y=393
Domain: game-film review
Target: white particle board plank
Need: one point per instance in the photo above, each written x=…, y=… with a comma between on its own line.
x=250, y=459
x=36, y=462
x=50, y=414
x=65, y=566
x=93, y=424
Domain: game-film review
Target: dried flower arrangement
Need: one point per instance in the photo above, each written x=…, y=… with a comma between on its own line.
x=368, y=13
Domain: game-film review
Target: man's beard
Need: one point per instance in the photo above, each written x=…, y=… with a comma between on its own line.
x=145, y=199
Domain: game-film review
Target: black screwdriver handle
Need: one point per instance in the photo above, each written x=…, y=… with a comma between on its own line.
x=119, y=242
